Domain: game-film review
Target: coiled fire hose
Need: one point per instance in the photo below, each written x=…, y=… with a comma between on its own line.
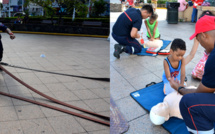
x=56, y=101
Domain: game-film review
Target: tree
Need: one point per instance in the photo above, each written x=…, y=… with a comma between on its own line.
x=69, y=5
x=99, y=7
x=25, y=5
x=47, y=5
x=1, y=7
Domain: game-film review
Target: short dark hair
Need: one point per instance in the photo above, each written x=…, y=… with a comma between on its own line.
x=154, y=16
x=178, y=44
x=207, y=12
x=148, y=8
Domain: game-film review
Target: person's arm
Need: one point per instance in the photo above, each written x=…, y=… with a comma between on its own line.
x=182, y=72
x=12, y=36
x=192, y=52
x=166, y=69
x=147, y=28
x=134, y=33
x=184, y=2
x=154, y=30
x=200, y=89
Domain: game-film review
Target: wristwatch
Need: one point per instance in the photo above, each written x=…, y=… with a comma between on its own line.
x=179, y=89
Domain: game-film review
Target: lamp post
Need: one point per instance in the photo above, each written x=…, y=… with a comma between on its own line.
x=9, y=9
x=0, y=10
x=73, y=15
x=22, y=5
x=88, y=15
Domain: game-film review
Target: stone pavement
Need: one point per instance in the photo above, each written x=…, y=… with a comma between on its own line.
x=131, y=73
x=64, y=54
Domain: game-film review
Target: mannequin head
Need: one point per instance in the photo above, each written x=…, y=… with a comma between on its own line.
x=159, y=113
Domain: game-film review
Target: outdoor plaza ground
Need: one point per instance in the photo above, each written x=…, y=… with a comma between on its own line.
x=82, y=56
x=132, y=72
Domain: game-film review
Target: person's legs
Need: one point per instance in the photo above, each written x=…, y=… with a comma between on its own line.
x=132, y=46
x=199, y=68
x=128, y=45
x=194, y=15
x=195, y=20
x=197, y=110
x=1, y=50
x=158, y=38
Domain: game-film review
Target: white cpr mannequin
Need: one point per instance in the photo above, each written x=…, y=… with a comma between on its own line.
x=166, y=109
x=154, y=43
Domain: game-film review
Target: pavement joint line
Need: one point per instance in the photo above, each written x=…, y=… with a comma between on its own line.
x=124, y=78
x=138, y=117
x=123, y=98
x=64, y=34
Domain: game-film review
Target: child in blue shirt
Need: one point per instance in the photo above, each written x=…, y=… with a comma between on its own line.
x=174, y=65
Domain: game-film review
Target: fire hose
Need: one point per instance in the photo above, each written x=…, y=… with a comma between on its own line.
x=84, y=77
x=56, y=101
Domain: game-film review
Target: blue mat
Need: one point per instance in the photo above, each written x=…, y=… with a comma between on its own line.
x=143, y=52
x=152, y=95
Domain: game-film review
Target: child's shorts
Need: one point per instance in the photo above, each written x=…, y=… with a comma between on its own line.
x=201, y=64
x=167, y=88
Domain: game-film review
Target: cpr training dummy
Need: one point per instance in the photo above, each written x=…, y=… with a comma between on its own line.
x=166, y=109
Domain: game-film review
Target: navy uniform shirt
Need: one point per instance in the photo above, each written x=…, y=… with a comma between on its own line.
x=123, y=25
x=208, y=78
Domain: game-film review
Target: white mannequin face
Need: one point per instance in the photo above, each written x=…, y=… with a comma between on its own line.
x=159, y=113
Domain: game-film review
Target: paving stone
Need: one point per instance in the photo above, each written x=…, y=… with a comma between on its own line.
x=11, y=127
x=130, y=108
x=18, y=90
x=17, y=102
x=74, y=86
x=98, y=105
x=91, y=126
x=37, y=126
x=65, y=96
x=65, y=125
x=55, y=87
x=143, y=125
x=85, y=94
x=8, y=114
x=29, y=112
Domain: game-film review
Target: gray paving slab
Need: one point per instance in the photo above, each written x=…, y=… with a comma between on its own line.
x=11, y=127
x=131, y=72
x=37, y=126
x=63, y=54
x=65, y=125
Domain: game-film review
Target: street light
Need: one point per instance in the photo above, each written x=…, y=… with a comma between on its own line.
x=9, y=8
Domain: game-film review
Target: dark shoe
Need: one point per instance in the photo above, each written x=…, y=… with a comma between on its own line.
x=185, y=79
x=118, y=50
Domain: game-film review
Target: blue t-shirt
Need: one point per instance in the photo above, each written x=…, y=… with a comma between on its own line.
x=174, y=72
x=123, y=25
x=208, y=78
